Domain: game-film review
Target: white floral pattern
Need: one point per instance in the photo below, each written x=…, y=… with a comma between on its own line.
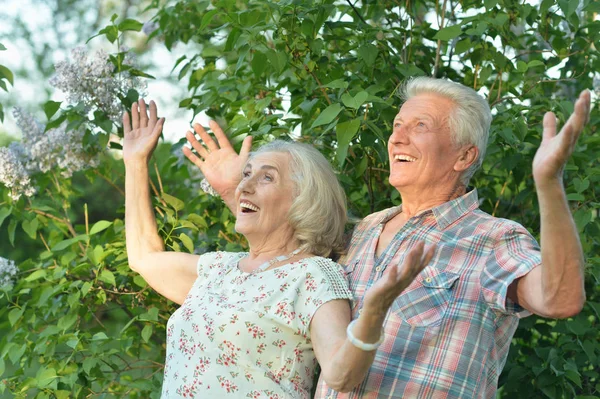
x=244, y=335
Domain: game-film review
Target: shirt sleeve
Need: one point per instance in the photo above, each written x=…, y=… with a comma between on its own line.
x=210, y=261
x=514, y=255
x=324, y=281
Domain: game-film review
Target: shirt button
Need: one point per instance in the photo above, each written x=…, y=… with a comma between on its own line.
x=428, y=280
x=378, y=269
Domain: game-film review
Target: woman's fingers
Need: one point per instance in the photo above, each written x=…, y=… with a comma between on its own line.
x=192, y=157
x=143, y=113
x=220, y=135
x=135, y=116
x=205, y=137
x=126, y=123
x=153, y=113
x=191, y=138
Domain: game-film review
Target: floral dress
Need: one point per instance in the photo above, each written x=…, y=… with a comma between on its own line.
x=244, y=335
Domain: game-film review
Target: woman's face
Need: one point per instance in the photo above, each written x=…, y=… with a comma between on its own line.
x=264, y=197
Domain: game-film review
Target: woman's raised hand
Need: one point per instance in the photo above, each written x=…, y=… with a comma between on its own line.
x=141, y=132
x=396, y=278
x=219, y=162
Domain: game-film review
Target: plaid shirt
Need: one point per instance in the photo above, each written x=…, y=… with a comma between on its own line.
x=448, y=334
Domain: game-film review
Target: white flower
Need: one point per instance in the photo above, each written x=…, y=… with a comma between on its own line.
x=91, y=81
x=8, y=271
x=149, y=27
x=13, y=173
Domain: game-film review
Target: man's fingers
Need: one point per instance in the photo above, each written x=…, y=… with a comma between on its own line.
x=205, y=137
x=135, y=116
x=126, y=123
x=153, y=113
x=143, y=113
x=191, y=138
x=220, y=135
x=246, y=147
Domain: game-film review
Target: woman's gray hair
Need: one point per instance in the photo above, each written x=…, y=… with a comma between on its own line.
x=470, y=121
x=318, y=212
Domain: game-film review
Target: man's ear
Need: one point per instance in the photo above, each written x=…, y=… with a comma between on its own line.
x=468, y=156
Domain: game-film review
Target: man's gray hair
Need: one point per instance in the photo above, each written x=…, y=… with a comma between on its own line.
x=318, y=212
x=470, y=121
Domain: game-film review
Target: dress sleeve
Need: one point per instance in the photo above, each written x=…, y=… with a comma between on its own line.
x=324, y=281
x=514, y=255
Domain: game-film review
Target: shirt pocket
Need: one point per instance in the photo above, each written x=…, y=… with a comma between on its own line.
x=426, y=300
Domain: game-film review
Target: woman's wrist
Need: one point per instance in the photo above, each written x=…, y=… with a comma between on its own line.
x=369, y=343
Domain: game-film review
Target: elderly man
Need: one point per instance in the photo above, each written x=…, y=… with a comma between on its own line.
x=448, y=334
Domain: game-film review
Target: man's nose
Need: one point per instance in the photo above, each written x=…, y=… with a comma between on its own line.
x=399, y=135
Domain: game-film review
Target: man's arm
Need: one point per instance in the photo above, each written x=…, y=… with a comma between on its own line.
x=556, y=288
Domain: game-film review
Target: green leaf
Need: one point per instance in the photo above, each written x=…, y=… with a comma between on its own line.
x=535, y=63
x=99, y=226
x=111, y=32
x=521, y=66
x=207, y=18
x=85, y=288
x=88, y=364
x=198, y=220
x=108, y=277
x=356, y=101
x=50, y=108
x=147, y=332
x=337, y=84
x=67, y=321
x=4, y=213
x=66, y=243
x=41, y=273
x=368, y=53
x=30, y=227
x=345, y=132
x=14, y=315
x=328, y=115
x=5, y=73
x=2, y=364
x=101, y=336
x=12, y=226
x=2, y=48
x=45, y=377
x=258, y=63
x=175, y=203
x=448, y=33
x=130, y=24
x=187, y=242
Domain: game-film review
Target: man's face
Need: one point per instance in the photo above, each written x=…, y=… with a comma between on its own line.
x=422, y=155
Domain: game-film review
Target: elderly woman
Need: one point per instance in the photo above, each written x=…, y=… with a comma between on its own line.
x=253, y=325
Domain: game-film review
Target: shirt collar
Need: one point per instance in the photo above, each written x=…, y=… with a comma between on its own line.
x=449, y=212
x=444, y=214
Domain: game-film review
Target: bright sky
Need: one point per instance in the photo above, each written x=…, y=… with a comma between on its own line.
x=165, y=89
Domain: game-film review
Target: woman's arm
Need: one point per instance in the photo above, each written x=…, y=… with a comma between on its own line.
x=171, y=274
x=343, y=365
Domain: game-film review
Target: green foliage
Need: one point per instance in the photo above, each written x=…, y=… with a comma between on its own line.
x=326, y=73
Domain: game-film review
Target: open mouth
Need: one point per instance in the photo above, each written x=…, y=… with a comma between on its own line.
x=404, y=158
x=248, y=207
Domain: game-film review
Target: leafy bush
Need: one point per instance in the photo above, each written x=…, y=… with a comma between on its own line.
x=79, y=323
